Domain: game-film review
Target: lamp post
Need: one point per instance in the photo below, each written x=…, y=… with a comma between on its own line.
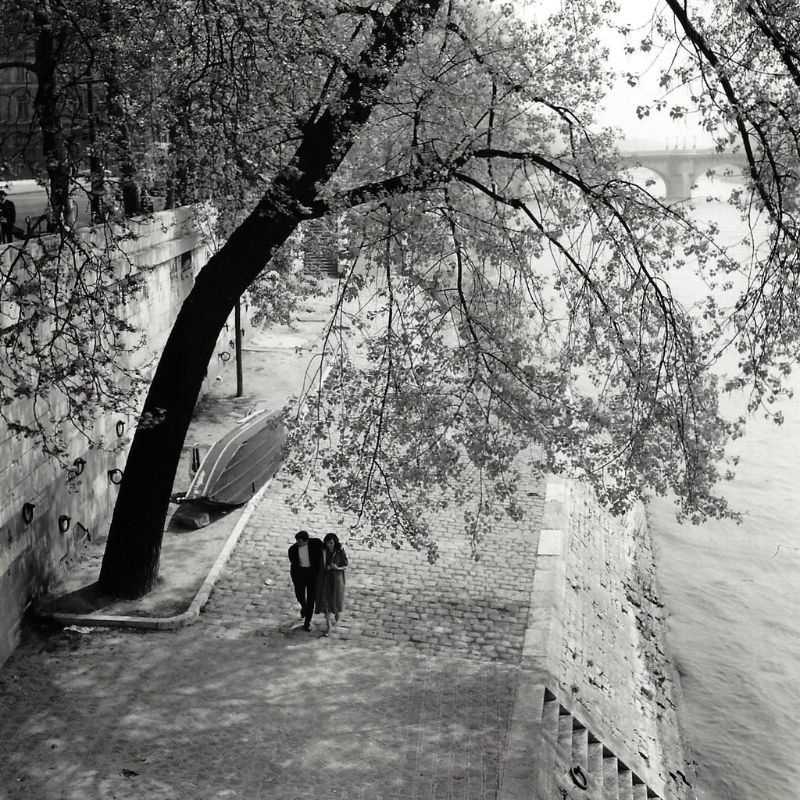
x=237, y=321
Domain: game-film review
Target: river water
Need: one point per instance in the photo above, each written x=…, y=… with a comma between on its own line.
x=734, y=624
x=733, y=597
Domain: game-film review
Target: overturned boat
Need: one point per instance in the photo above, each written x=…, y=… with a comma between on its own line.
x=234, y=469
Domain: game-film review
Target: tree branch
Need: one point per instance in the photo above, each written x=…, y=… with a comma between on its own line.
x=705, y=53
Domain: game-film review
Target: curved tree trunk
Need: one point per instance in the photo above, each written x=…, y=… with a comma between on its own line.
x=130, y=562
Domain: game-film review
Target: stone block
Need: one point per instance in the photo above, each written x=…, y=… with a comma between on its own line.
x=551, y=542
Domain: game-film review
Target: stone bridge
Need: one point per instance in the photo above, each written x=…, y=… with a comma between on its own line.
x=680, y=169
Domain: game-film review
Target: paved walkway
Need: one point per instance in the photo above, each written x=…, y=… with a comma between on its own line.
x=409, y=700
x=190, y=715
x=454, y=607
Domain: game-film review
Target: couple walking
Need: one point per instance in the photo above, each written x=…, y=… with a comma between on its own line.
x=317, y=570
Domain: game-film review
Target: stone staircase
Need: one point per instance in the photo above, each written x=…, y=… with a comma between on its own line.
x=585, y=766
x=320, y=250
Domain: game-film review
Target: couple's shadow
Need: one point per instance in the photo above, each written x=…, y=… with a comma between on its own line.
x=294, y=628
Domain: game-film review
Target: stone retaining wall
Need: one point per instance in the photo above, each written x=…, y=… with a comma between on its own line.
x=617, y=631
x=595, y=648
x=165, y=252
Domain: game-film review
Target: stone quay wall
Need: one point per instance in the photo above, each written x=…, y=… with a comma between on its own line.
x=603, y=694
x=164, y=254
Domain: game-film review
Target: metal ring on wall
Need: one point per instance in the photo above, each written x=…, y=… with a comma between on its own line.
x=27, y=512
x=579, y=777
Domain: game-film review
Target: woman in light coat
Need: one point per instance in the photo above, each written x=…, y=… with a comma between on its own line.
x=331, y=581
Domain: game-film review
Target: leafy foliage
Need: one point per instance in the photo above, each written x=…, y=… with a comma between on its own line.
x=68, y=340
x=738, y=62
x=277, y=292
x=509, y=288
x=513, y=304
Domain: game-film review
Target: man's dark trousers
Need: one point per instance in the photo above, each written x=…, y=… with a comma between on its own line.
x=305, y=578
x=305, y=584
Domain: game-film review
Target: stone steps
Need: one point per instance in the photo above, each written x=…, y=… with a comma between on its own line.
x=580, y=745
x=581, y=760
x=625, y=778
x=595, y=768
x=610, y=776
x=640, y=791
x=564, y=733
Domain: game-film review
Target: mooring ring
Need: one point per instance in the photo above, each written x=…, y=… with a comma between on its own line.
x=579, y=777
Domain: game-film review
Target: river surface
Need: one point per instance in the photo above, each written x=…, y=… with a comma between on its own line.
x=733, y=597
x=734, y=623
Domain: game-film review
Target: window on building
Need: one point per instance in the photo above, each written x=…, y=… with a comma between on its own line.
x=24, y=106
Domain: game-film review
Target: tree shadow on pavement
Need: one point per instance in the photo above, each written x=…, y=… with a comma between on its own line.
x=196, y=717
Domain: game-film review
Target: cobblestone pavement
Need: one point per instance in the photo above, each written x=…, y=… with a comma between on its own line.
x=455, y=606
x=187, y=715
x=409, y=700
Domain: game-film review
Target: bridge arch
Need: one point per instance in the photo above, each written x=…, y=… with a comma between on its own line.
x=649, y=179
x=681, y=169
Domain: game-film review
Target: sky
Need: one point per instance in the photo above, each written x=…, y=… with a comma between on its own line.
x=658, y=131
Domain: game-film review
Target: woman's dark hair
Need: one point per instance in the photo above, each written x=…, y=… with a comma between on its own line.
x=334, y=538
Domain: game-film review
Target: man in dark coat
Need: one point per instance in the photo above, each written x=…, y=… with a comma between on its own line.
x=305, y=557
x=8, y=216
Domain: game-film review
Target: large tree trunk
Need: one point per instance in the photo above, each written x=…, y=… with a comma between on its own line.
x=129, y=179
x=130, y=562
x=181, y=178
x=96, y=176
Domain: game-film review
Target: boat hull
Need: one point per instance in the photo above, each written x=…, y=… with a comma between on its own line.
x=240, y=462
